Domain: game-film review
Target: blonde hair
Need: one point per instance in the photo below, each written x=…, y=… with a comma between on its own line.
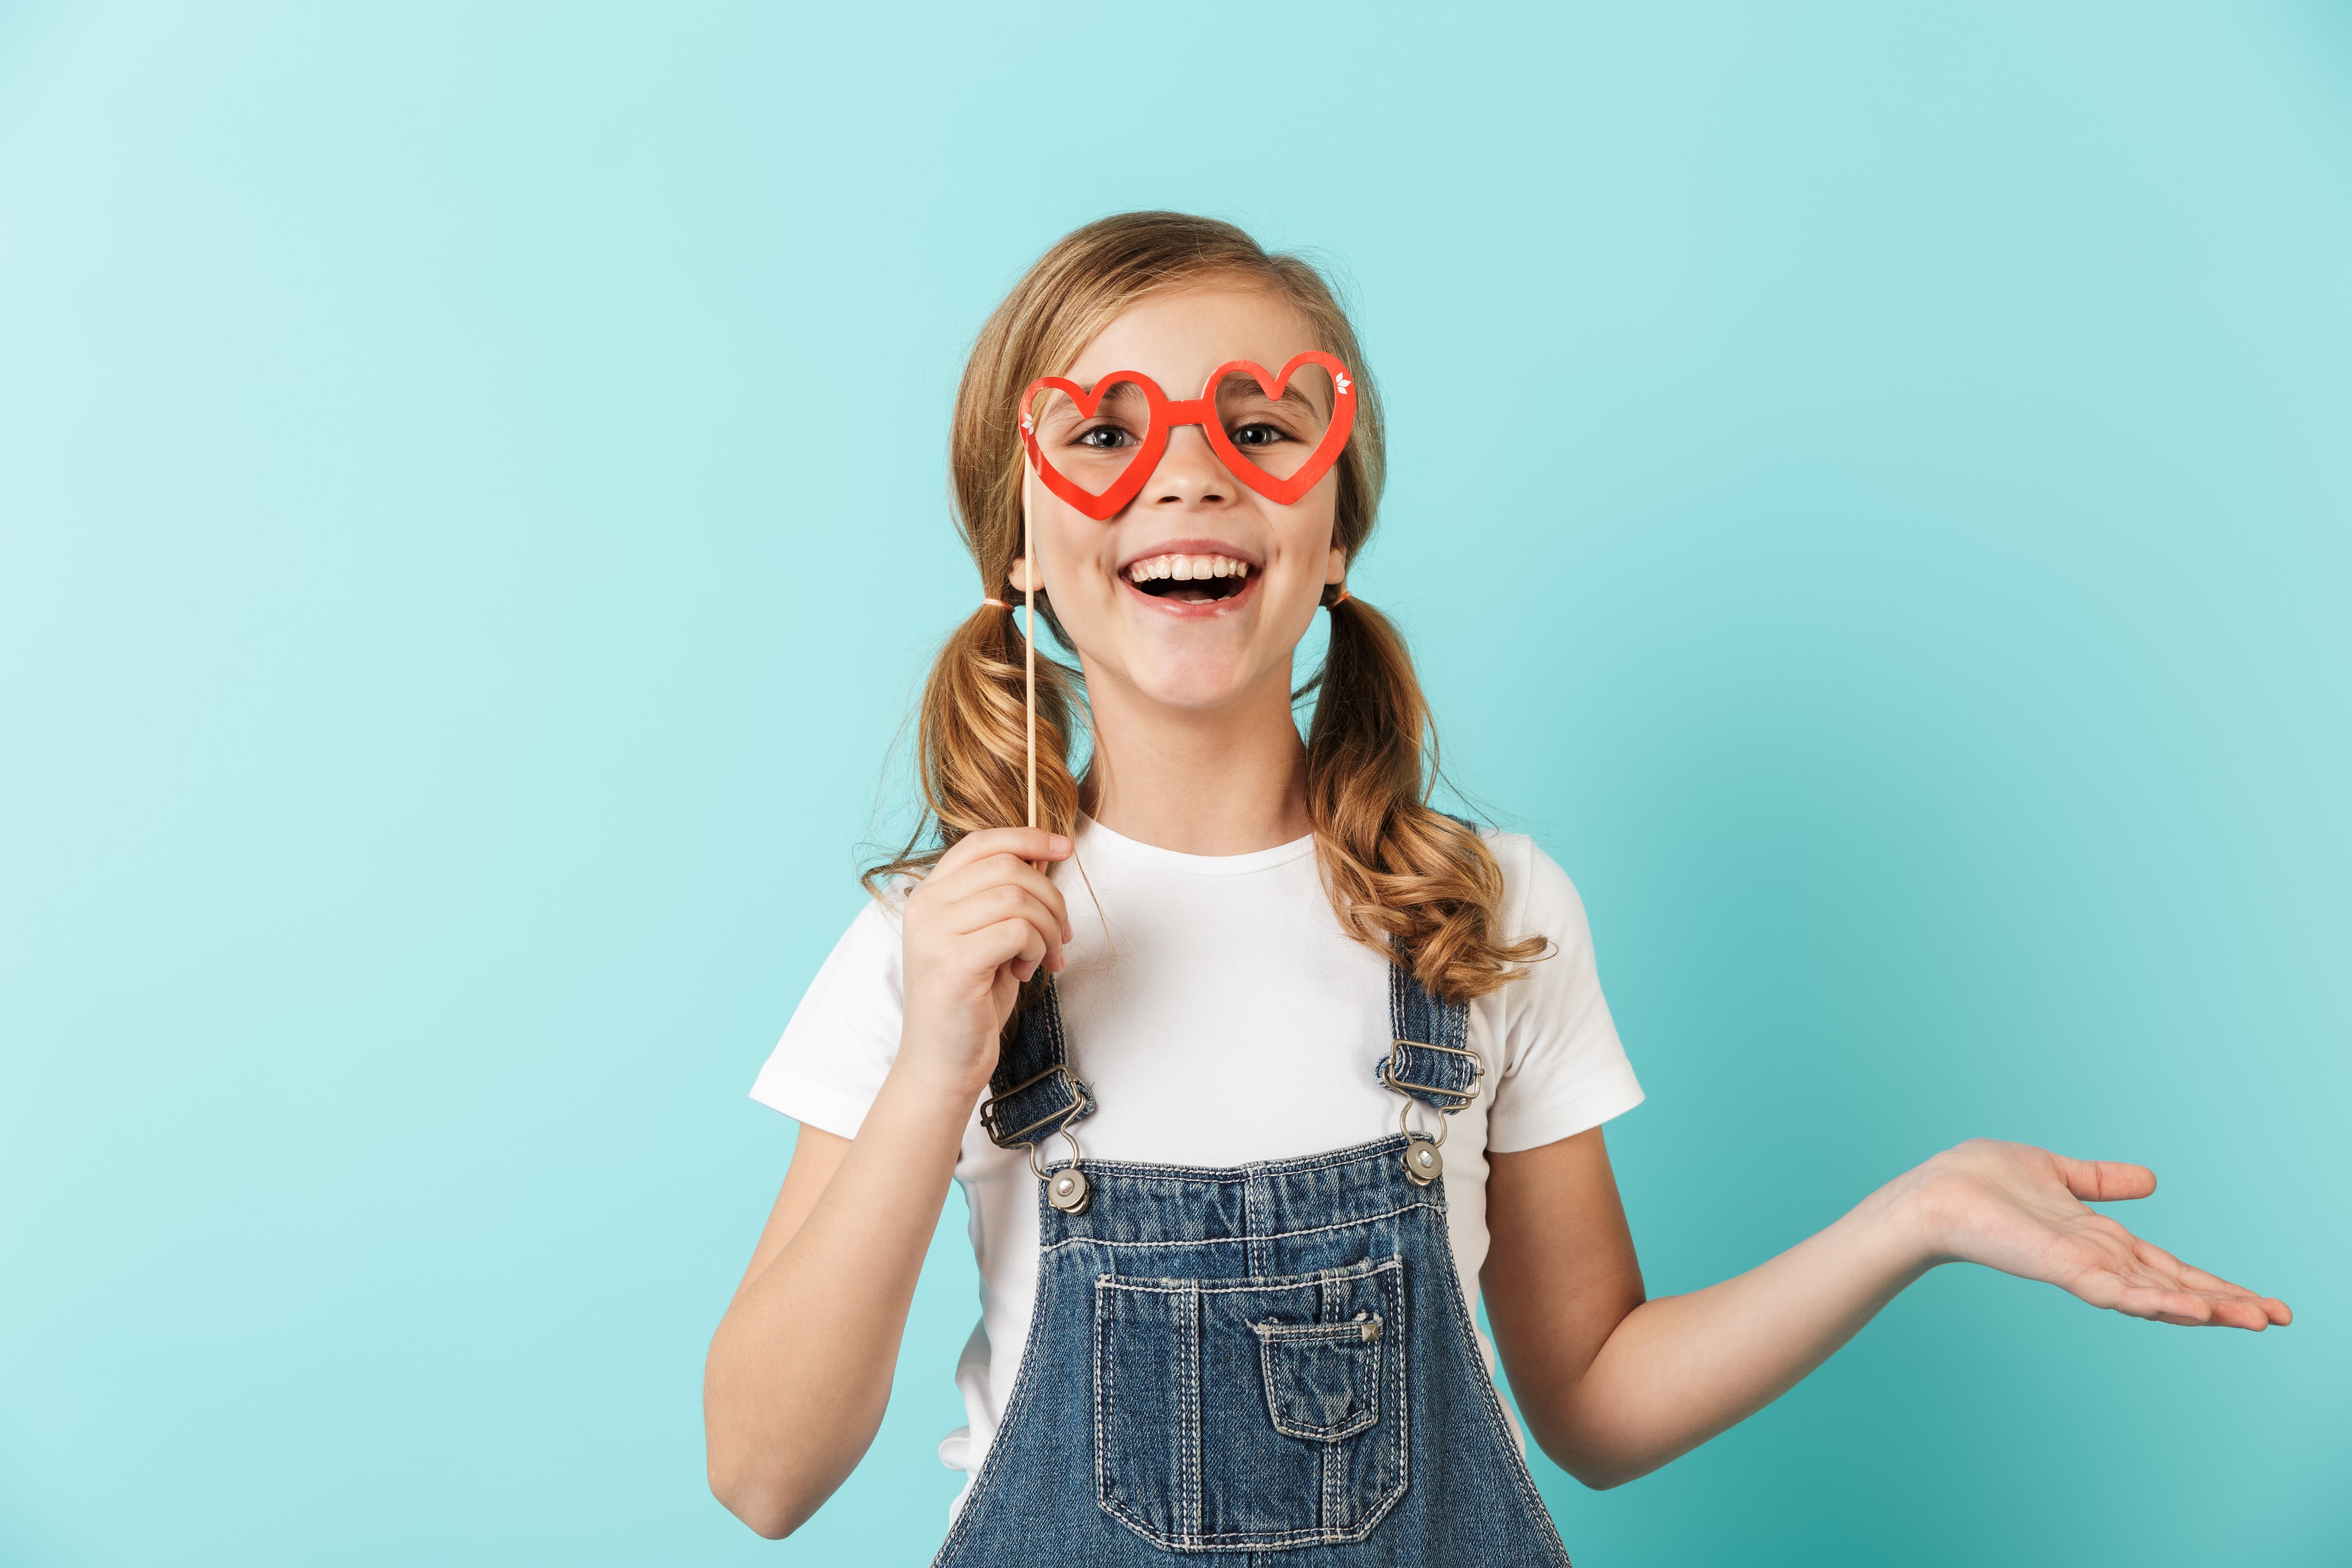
x=1404, y=879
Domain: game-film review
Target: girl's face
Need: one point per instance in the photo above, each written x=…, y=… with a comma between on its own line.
x=1195, y=595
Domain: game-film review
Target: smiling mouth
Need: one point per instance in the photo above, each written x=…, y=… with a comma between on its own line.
x=1189, y=579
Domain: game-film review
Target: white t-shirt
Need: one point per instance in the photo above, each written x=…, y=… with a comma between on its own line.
x=1221, y=1016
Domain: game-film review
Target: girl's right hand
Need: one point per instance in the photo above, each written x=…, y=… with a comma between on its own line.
x=975, y=928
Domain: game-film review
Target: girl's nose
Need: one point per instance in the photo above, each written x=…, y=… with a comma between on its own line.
x=1188, y=472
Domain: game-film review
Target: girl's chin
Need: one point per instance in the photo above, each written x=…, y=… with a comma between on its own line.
x=1203, y=682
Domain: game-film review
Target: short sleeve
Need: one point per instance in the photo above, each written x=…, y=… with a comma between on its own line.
x=842, y=1038
x=1563, y=1069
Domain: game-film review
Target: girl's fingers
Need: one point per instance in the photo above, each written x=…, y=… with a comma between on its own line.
x=2196, y=1279
x=2104, y=1181
x=984, y=910
x=2166, y=1303
x=1013, y=942
x=2227, y=1291
x=2155, y=1256
x=997, y=870
x=2238, y=1312
x=2251, y=1313
x=1022, y=843
x=2189, y=1275
x=2099, y=1287
x=2156, y=1302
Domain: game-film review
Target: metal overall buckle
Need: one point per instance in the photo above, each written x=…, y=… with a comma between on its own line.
x=1423, y=1163
x=1069, y=1192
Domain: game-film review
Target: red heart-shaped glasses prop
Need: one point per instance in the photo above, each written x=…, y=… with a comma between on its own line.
x=1164, y=415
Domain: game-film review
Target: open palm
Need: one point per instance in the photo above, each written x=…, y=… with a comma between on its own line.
x=2020, y=1209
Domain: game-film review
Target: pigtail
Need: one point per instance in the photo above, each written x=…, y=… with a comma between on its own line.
x=1403, y=878
x=971, y=743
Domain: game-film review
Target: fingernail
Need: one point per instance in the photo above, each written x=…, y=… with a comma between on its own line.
x=1059, y=844
x=1067, y=934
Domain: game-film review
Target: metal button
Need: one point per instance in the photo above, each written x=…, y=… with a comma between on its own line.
x=1069, y=1191
x=1423, y=1163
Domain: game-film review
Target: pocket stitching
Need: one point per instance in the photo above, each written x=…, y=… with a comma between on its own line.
x=1189, y=1511
x=1308, y=1333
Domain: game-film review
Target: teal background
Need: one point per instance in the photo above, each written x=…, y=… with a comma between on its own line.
x=1870, y=495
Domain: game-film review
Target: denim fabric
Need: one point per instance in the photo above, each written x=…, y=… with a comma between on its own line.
x=1273, y=1360
x=1033, y=1094
x=1430, y=1057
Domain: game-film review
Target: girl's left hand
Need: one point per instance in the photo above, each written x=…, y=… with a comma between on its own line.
x=2019, y=1209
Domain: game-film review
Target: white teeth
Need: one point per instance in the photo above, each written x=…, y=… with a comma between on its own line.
x=1187, y=568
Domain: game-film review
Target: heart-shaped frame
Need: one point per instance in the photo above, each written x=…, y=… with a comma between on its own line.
x=1163, y=415
x=1104, y=506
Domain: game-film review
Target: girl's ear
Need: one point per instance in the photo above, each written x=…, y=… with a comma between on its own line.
x=1017, y=573
x=1337, y=571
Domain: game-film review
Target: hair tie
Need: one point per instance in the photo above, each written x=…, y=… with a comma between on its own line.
x=1339, y=599
x=998, y=603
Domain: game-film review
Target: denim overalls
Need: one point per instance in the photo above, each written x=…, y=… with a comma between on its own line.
x=1273, y=1360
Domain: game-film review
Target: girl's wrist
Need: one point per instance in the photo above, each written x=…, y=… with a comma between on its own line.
x=930, y=1093
x=1898, y=1226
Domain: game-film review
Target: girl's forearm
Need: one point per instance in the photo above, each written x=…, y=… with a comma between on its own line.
x=799, y=1369
x=1680, y=1369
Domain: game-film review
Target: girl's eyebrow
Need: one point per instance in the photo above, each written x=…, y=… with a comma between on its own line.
x=1121, y=399
x=1295, y=391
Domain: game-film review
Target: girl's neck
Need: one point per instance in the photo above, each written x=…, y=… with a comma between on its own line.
x=1224, y=781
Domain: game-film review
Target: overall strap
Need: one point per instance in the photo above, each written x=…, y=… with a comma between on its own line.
x=1033, y=1093
x=1429, y=1058
x=1429, y=1052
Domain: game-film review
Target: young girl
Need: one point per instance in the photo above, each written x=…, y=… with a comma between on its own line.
x=1338, y=1063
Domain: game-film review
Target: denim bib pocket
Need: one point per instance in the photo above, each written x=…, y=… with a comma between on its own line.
x=1252, y=1413
x=1322, y=1380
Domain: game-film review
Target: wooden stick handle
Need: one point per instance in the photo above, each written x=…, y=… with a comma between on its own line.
x=1029, y=643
